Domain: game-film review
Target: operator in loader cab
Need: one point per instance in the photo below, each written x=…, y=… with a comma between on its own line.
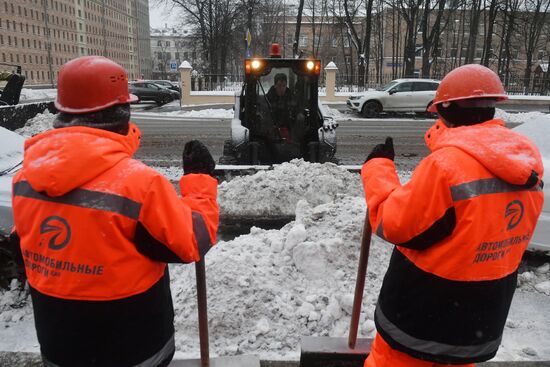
x=460, y=227
x=97, y=227
x=279, y=97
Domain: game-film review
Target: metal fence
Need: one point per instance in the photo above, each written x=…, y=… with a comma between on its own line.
x=537, y=85
x=220, y=83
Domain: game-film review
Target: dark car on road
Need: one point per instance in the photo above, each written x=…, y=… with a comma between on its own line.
x=149, y=91
x=167, y=84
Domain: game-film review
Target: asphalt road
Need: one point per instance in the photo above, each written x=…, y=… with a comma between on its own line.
x=164, y=137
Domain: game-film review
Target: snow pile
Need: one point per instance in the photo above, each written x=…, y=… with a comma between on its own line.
x=268, y=288
x=39, y=123
x=277, y=191
x=28, y=94
x=15, y=303
x=517, y=118
x=333, y=112
x=11, y=149
x=538, y=130
x=210, y=113
x=536, y=281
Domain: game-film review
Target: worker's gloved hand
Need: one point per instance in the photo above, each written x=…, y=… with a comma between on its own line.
x=383, y=150
x=197, y=158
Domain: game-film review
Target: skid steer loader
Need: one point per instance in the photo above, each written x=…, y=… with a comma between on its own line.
x=269, y=129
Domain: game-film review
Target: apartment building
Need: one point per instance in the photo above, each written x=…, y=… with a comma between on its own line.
x=169, y=48
x=41, y=35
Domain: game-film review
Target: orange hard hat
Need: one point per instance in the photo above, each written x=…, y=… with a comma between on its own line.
x=91, y=83
x=470, y=81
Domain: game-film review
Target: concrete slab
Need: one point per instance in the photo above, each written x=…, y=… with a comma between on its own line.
x=234, y=361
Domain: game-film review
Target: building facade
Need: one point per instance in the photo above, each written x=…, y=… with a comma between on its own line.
x=41, y=35
x=329, y=39
x=169, y=48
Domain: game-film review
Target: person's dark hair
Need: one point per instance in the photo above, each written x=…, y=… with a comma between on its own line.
x=280, y=77
x=465, y=115
x=114, y=118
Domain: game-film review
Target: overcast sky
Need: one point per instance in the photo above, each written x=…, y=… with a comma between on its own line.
x=160, y=14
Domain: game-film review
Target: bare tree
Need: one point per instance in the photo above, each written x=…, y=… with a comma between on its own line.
x=297, y=32
x=489, y=23
x=533, y=21
x=475, y=14
x=431, y=33
x=215, y=22
x=351, y=10
x=410, y=12
x=508, y=27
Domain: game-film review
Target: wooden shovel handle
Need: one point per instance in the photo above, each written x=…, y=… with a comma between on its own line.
x=360, y=282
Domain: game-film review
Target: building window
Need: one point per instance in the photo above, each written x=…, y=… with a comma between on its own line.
x=167, y=43
x=303, y=40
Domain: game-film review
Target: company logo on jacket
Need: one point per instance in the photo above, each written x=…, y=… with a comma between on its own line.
x=56, y=231
x=514, y=210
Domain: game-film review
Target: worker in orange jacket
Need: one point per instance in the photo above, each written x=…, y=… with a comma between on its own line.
x=97, y=228
x=460, y=227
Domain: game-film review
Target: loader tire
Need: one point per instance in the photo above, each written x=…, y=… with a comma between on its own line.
x=228, y=156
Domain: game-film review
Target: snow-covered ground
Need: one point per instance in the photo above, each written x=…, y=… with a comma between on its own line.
x=29, y=94
x=269, y=287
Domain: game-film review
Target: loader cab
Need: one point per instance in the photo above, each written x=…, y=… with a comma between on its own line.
x=277, y=114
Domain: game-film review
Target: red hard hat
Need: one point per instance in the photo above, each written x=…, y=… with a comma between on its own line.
x=91, y=83
x=469, y=82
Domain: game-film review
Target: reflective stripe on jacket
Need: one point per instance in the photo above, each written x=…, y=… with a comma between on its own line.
x=96, y=225
x=460, y=226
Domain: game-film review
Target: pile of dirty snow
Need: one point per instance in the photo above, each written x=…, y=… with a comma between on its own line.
x=517, y=118
x=268, y=288
x=39, y=123
x=28, y=94
x=277, y=191
x=538, y=130
x=211, y=113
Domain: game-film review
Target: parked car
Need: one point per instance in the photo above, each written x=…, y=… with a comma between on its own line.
x=538, y=131
x=400, y=95
x=149, y=91
x=167, y=84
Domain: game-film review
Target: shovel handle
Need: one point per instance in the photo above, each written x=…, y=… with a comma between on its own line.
x=203, y=312
x=360, y=282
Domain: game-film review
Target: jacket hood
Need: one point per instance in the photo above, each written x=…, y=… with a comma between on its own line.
x=60, y=160
x=509, y=155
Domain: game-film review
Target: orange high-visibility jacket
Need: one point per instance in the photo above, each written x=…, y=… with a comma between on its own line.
x=96, y=225
x=460, y=226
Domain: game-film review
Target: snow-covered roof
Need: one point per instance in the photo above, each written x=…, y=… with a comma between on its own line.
x=170, y=32
x=544, y=67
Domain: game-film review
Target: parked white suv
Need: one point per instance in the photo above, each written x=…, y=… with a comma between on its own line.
x=400, y=95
